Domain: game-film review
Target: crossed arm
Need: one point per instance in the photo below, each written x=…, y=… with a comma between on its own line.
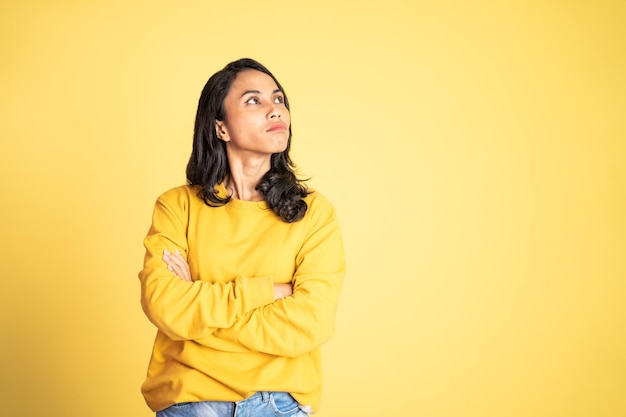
x=177, y=263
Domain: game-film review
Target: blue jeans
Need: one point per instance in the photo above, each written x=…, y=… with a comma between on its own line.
x=261, y=404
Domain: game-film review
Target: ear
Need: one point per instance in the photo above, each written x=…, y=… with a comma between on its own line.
x=220, y=130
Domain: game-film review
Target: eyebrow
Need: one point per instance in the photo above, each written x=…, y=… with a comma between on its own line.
x=278, y=90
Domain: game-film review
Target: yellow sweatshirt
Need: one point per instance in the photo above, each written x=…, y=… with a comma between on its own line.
x=222, y=337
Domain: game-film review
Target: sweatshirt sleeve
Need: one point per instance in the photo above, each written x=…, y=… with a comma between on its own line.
x=298, y=324
x=190, y=310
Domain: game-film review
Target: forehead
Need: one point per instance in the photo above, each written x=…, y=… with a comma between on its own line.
x=252, y=80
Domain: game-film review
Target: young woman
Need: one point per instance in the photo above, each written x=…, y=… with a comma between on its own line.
x=243, y=266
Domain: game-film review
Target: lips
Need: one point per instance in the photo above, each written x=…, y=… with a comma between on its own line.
x=277, y=127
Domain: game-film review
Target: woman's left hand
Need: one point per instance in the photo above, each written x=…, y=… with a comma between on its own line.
x=177, y=263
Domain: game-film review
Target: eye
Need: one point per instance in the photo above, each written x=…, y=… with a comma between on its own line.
x=279, y=100
x=252, y=100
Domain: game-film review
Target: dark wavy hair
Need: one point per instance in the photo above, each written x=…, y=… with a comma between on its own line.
x=208, y=164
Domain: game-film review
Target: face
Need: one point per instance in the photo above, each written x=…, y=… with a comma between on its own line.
x=257, y=121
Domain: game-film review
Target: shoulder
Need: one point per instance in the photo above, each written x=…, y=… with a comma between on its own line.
x=182, y=196
x=318, y=205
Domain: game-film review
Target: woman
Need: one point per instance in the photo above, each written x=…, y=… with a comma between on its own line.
x=243, y=266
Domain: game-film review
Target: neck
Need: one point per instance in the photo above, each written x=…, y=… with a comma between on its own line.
x=244, y=177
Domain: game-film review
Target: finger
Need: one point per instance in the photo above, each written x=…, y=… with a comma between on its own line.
x=177, y=264
x=171, y=267
x=173, y=264
x=172, y=270
x=174, y=260
x=184, y=267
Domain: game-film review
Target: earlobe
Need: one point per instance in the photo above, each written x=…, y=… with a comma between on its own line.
x=220, y=131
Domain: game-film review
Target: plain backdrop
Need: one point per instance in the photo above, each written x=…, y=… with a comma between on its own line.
x=474, y=150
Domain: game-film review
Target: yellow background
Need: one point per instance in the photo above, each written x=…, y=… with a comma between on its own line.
x=475, y=152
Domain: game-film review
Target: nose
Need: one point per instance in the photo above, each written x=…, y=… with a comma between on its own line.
x=275, y=112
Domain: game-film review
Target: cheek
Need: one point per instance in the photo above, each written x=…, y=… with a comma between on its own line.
x=236, y=127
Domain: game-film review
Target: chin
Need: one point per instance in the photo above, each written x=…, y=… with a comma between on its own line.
x=280, y=147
